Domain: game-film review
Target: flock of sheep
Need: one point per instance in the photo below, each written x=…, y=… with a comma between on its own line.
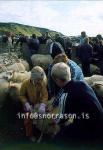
x=14, y=71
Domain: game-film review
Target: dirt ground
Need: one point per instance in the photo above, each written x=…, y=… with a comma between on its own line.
x=12, y=137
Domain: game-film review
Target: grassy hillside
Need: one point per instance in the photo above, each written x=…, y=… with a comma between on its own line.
x=16, y=28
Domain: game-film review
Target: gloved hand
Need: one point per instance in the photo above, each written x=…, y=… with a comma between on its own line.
x=27, y=107
x=42, y=108
x=49, y=108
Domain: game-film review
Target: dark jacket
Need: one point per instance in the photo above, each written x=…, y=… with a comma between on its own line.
x=55, y=49
x=33, y=45
x=61, y=41
x=100, y=52
x=85, y=53
x=43, y=40
x=21, y=40
x=82, y=101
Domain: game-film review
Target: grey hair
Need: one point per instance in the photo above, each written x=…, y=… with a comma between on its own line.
x=38, y=72
x=61, y=71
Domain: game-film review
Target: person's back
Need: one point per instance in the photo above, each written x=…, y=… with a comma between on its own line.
x=76, y=71
x=55, y=49
x=85, y=52
x=100, y=55
x=100, y=51
x=68, y=47
x=83, y=102
x=48, y=44
x=21, y=40
x=33, y=45
x=77, y=101
x=43, y=39
x=96, y=47
x=61, y=41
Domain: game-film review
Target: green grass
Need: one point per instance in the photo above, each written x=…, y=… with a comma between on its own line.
x=16, y=28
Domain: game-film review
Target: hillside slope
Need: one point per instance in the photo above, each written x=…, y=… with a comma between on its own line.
x=16, y=28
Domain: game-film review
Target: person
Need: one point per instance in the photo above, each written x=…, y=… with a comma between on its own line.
x=33, y=44
x=76, y=72
x=48, y=43
x=23, y=41
x=55, y=48
x=85, y=53
x=34, y=95
x=99, y=36
x=60, y=40
x=100, y=55
x=43, y=39
x=68, y=47
x=78, y=98
x=7, y=42
x=96, y=47
x=82, y=37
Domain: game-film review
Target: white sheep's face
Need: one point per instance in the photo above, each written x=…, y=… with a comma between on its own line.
x=8, y=75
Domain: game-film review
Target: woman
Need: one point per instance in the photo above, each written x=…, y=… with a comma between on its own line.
x=34, y=94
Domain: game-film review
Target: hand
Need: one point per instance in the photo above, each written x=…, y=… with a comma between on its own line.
x=68, y=122
x=49, y=108
x=27, y=107
x=42, y=108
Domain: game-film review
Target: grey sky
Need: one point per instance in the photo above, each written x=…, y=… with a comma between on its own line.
x=68, y=17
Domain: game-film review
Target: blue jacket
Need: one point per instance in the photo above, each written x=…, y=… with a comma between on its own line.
x=76, y=71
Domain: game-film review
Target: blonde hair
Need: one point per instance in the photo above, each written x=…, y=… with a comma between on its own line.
x=60, y=58
x=37, y=69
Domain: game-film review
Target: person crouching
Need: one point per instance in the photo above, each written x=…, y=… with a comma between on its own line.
x=33, y=92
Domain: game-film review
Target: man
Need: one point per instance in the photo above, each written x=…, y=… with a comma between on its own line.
x=43, y=39
x=68, y=47
x=23, y=40
x=60, y=40
x=76, y=72
x=55, y=49
x=85, y=53
x=33, y=44
x=34, y=95
x=83, y=36
x=76, y=98
x=100, y=54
